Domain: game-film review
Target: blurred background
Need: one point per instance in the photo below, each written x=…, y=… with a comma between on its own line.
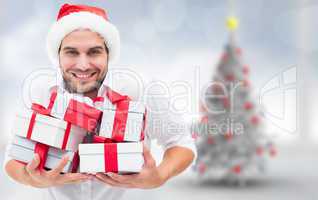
x=179, y=42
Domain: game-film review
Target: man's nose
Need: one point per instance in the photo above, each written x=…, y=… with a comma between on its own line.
x=83, y=62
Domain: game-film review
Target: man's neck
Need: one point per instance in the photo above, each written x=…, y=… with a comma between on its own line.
x=91, y=94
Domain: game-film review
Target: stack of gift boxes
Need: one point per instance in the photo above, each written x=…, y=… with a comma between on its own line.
x=114, y=123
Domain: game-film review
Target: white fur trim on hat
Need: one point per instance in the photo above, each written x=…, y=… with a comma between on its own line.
x=83, y=19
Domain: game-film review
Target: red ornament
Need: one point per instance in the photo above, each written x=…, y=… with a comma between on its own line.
x=230, y=77
x=246, y=83
x=272, y=152
x=226, y=102
x=218, y=89
x=202, y=108
x=194, y=135
x=255, y=120
x=202, y=168
x=205, y=119
x=228, y=136
x=248, y=105
x=259, y=151
x=224, y=57
x=246, y=70
x=237, y=169
x=210, y=140
x=238, y=51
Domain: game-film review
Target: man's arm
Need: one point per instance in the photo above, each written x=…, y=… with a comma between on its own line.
x=175, y=160
x=30, y=174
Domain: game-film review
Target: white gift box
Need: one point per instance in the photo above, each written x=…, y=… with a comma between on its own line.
x=48, y=130
x=94, y=158
x=22, y=149
x=134, y=127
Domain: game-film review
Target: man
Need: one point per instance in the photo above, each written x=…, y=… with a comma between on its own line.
x=82, y=42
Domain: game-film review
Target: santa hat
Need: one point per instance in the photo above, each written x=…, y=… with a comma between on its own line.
x=72, y=17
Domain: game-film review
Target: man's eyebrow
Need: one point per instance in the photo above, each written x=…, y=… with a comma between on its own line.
x=68, y=48
x=97, y=48
x=90, y=49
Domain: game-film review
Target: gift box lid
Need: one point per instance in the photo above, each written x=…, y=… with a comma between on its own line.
x=48, y=130
x=47, y=120
x=122, y=148
x=30, y=145
x=113, y=99
x=134, y=106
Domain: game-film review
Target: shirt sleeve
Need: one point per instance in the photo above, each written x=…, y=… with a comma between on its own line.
x=167, y=127
x=7, y=158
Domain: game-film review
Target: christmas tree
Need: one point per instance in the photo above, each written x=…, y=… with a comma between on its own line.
x=230, y=138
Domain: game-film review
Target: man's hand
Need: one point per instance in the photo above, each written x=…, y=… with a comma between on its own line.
x=42, y=179
x=149, y=176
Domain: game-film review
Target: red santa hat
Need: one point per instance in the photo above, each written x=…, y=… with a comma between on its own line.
x=72, y=17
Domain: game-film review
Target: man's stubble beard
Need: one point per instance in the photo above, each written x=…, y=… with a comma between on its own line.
x=71, y=88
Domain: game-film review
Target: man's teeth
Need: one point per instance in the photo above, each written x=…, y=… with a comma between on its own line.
x=83, y=75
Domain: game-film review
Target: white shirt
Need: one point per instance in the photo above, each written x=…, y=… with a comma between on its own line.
x=159, y=126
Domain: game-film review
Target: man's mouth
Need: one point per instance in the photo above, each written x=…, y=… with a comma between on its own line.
x=83, y=76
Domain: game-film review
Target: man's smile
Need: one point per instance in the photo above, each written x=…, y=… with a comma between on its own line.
x=83, y=76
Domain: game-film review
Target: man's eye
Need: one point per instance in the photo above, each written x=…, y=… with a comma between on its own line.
x=72, y=53
x=94, y=52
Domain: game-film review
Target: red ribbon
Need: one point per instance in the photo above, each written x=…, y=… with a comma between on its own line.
x=31, y=125
x=75, y=162
x=78, y=113
x=42, y=150
x=120, y=121
x=110, y=157
x=115, y=97
x=37, y=108
x=40, y=109
x=83, y=115
x=52, y=100
x=98, y=99
x=100, y=139
x=66, y=135
x=142, y=134
x=121, y=114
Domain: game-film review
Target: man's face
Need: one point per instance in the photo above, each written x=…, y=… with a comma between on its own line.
x=83, y=60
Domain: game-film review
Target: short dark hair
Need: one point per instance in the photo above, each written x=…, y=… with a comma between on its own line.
x=106, y=49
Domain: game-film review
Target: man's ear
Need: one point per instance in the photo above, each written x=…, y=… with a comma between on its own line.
x=59, y=56
x=107, y=50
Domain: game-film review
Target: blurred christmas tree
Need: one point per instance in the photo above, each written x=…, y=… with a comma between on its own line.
x=230, y=138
